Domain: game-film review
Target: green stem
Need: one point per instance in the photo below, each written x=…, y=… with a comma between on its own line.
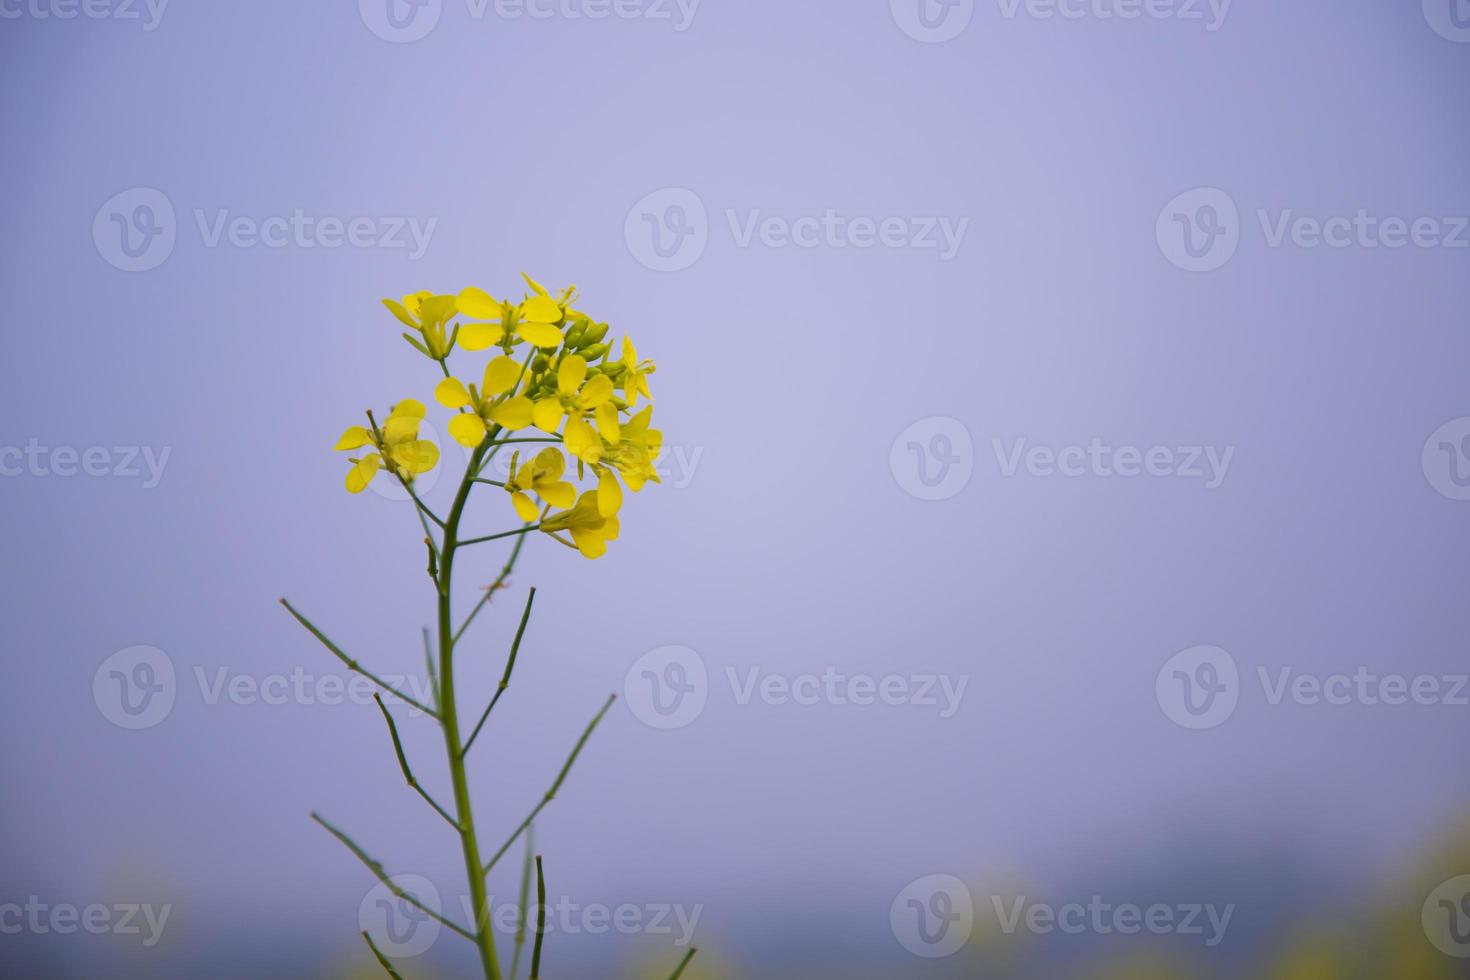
x=561, y=777
x=510, y=665
x=496, y=586
x=679, y=971
x=502, y=534
x=449, y=721
x=525, y=903
x=540, y=921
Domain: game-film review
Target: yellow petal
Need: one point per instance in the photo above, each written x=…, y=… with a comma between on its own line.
x=549, y=464
x=541, y=309
x=558, y=494
x=409, y=408
x=479, y=336
x=467, y=430
x=362, y=474
x=419, y=456
x=630, y=353
x=540, y=334
x=547, y=415
x=354, y=438
x=475, y=302
x=590, y=543
x=501, y=375
x=525, y=507
x=607, y=422
x=413, y=301
x=396, y=308
x=569, y=376
x=540, y=289
x=581, y=441
x=451, y=393
x=597, y=391
x=609, y=494
x=401, y=428
x=611, y=529
x=514, y=414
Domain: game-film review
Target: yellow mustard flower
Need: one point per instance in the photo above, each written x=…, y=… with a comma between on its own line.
x=636, y=453
x=486, y=405
x=534, y=320
x=590, y=530
x=429, y=315
x=574, y=396
x=397, y=445
x=635, y=374
x=542, y=476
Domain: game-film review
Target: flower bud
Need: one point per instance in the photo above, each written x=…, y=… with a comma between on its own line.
x=595, y=332
x=595, y=352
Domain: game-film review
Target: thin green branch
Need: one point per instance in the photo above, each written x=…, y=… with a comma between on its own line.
x=679, y=971
x=354, y=666
x=377, y=869
x=433, y=671
x=524, y=902
x=503, y=534
x=510, y=665
x=540, y=921
x=408, y=772
x=496, y=586
x=560, y=778
x=382, y=960
x=423, y=508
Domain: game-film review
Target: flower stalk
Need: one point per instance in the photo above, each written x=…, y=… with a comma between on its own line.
x=575, y=406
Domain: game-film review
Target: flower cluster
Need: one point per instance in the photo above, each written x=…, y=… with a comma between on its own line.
x=552, y=374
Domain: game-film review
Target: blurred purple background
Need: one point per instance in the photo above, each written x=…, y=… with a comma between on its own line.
x=789, y=536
